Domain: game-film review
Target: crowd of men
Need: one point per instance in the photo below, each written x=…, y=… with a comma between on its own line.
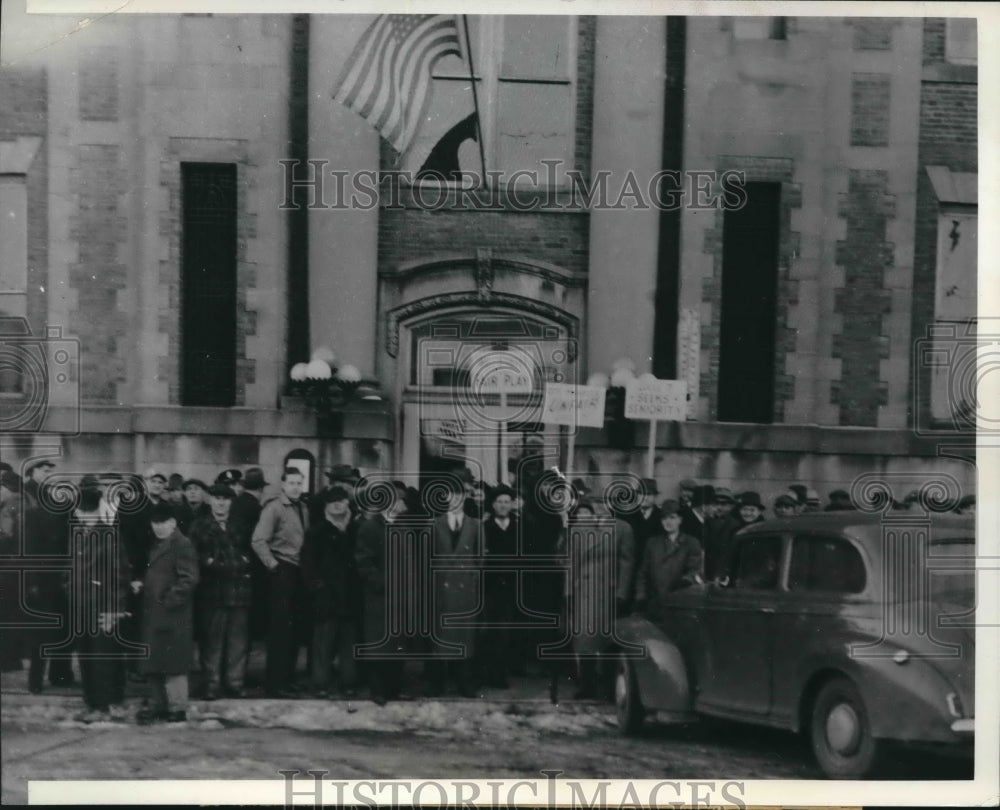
x=198, y=571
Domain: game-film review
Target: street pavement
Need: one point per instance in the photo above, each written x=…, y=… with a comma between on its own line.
x=514, y=733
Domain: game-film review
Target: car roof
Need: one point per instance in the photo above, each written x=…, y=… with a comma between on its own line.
x=860, y=523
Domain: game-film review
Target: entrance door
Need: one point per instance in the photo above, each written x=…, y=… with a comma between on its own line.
x=435, y=440
x=472, y=387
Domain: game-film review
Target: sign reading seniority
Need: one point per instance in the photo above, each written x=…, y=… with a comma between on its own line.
x=581, y=405
x=662, y=400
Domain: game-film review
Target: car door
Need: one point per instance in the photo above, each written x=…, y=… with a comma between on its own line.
x=739, y=627
x=827, y=580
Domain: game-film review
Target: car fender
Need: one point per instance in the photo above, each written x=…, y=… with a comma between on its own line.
x=904, y=701
x=660, y=669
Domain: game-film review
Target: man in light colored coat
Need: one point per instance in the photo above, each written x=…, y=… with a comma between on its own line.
x=277, y=541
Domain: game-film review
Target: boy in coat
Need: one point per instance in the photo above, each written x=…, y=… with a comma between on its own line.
x=168, y=594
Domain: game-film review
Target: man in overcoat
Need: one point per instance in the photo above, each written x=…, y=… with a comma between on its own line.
x=330, y=575
x=456, y=537
x=601, y=566
x=224, y=555
x=168, y=590
x=672, y=560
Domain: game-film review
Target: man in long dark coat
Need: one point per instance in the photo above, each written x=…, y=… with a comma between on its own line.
x=167, y=619
x=455, y=591
x=224, y=555
x=330, y=575
x=373, y=539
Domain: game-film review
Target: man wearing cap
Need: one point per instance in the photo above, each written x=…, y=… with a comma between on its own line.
x=167, y=618
x=785, y=506
x=224, y=603
x=672, y=560
x=750, y=511
x=194, y=505
x=339, y=475
x=244, y=514
x=330, y=575
x=231, y=478
x=719, y=525
x=138, y=537
x=277, y=541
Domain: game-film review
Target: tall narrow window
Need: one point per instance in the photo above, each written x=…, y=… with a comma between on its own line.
x=208, y=280
x=749, y=293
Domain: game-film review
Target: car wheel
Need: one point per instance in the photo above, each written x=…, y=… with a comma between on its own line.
x=841, y=732
x=627, y=703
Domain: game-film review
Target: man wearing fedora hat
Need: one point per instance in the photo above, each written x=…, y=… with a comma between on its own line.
x=694, y=520
x=672, y=560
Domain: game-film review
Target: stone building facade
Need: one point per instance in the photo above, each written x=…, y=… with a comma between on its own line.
x=856, y=135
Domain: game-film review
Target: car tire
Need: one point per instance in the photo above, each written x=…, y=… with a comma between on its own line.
x=841, y=732
x=627, y=704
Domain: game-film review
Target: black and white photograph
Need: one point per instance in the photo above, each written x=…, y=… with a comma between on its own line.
x=498, y=408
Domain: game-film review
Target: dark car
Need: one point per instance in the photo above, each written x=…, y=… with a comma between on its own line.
x=855, y=629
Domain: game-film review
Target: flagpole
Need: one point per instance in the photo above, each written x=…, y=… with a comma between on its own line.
x=475, y=96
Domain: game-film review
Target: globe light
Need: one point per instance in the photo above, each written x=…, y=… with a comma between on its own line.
x=326, y=354
x=624, y=363
x=318, y=370
x=299, y=371
x=599, y=380
x=349, y=374
x=621, y=377
x=647, y=377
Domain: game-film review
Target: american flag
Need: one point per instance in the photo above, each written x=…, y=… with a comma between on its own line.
x=388, y=76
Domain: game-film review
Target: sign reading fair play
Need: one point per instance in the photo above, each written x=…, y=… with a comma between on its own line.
x=501, y=372
x=659, y=400
x=581, y=405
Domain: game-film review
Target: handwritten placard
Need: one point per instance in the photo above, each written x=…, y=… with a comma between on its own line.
x=581, y=405
x=656, y=399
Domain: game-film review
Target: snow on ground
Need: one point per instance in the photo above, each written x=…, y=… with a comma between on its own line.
x=454, y=719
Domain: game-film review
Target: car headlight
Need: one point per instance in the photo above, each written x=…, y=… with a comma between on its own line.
x=901, y=657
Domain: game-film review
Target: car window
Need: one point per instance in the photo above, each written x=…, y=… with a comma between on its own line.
x=757, y=563
x=829, y=564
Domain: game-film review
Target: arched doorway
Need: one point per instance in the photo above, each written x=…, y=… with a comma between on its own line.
x=471, y=382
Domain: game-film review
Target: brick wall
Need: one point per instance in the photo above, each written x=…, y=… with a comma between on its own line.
x=948, y=137
x=99, y=230
x=24, y=112
x=559, y=239
x=864, y=255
